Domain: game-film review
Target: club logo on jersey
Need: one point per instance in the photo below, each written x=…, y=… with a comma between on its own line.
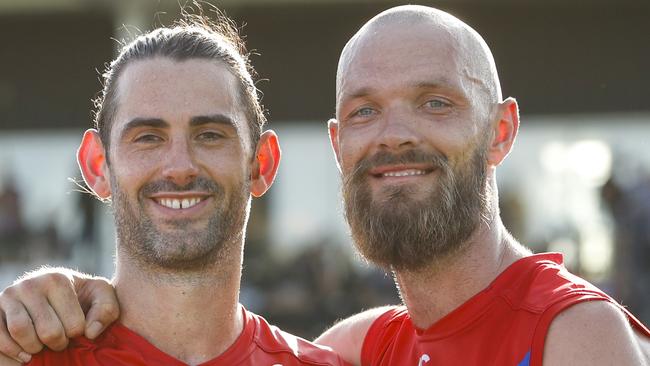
x=424, y=359
x=525, y=361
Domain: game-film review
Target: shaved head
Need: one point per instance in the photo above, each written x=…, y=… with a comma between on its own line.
x=418, y=116
x=456, y=40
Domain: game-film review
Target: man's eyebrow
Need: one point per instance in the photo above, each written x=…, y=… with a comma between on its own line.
x=444, y=86
x=213, y=118
x=359, y=93
x=161, y=123
x=365, y=91
x=143, y=122
x=438, y=84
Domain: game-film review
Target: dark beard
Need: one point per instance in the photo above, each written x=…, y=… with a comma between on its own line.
x=398, y=232
x=181, y=247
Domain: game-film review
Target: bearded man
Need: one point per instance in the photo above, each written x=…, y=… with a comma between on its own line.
x=420, y=129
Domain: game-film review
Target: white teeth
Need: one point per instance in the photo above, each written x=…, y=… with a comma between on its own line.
x=178, y=203
x=190, y=202
x=404, y=173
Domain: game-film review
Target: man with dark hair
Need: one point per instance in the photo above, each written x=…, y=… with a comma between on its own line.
x=420, y=128
x=178, y=151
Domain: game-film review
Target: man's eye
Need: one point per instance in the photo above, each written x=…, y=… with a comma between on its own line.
x=436, y=104
x=148, y=138
x=364, y=112
x=210, y=136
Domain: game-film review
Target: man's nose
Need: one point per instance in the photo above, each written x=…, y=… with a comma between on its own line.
x=180, y=165
x=398, y=130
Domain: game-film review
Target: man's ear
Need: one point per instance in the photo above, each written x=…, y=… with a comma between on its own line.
x=504, y=131
x=333, y=131
x=91, y=158
x=267, y=161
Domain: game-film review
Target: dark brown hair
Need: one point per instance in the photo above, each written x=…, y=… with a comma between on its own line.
x=194, y=37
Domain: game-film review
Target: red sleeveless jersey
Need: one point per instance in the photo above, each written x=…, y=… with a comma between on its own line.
x=259, y=344
x=504, y=325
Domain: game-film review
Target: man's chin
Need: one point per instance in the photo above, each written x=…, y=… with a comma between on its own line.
x=181, y=224
x=402, y=195
x=182, y=254
x=399, y=207
x=388, y=262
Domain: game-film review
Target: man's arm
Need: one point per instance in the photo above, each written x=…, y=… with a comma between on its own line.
x=46, y=308
x=593, y=333
x=346, y=337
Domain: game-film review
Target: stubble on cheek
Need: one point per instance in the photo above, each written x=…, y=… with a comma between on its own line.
x=185, y=245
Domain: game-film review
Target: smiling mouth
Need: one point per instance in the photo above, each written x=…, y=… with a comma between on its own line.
x=404, y=173
x=179, y=203
x=400, y=173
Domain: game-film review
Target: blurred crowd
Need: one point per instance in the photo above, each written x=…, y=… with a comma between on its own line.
x=629, y=206
x=21, y=243
x=309, y=292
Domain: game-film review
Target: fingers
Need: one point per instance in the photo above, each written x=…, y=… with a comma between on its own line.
x=6, y=361
x=98, y=295
x=100, y=316
x=18, y=326
x=11, y=350
x=51, y=302
x=67, y=310
x=49, y=328
x=42, y=310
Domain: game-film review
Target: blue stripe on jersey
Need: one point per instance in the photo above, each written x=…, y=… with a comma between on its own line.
x=525, y=361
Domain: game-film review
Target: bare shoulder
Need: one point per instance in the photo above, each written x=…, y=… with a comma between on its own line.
x=592, y=333
x=346, y=337
x=644, y=341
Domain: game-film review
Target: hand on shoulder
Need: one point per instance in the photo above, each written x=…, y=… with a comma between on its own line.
x=46, y=308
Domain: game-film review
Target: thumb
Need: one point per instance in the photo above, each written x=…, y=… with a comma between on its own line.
x=98, y=296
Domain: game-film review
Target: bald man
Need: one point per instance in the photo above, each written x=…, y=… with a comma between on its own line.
x=420, y=128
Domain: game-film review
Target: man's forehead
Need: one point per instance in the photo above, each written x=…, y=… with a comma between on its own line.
x=447, y=49
x=155, y=76
x=415, y=56
x=399, y=31
x=402, y=49
x=179, y=92
x=165, y=88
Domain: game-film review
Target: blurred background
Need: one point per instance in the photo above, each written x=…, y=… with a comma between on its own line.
x=578, y=180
